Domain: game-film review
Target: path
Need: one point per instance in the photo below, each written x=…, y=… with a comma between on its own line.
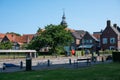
x=42, y=63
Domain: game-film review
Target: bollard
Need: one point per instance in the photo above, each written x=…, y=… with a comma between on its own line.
x=87, y=61
x=70, y=61
x=102, y=59
x=48, y=62
x=94, y=59
x=28, y=64
x=4, y=67
x=21, y=65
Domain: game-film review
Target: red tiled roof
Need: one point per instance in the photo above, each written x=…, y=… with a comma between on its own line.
x=97, y=36
x=2, y=35
x=27, y=37
x=11, y=37
x=20, y=39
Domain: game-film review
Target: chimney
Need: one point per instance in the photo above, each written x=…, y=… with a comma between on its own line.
x=108, y=23
x=101, y=31
x=115, y=25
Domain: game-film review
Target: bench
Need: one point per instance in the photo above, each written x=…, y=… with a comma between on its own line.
x=87, y=61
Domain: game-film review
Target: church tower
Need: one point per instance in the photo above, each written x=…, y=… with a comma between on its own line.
x=63, y=22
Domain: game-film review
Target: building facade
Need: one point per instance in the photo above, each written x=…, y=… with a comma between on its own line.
x=77, y=35
x=17, y=41
x=110, y=37
x=89, y=42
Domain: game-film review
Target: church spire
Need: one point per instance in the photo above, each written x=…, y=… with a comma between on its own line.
x=63, y=22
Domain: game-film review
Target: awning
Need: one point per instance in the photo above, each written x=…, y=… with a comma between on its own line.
x=85, y=46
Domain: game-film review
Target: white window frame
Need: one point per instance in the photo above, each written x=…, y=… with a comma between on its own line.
x=105, y=41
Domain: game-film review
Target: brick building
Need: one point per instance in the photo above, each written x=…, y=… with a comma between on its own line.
x=110, y=37
x=88, y=41
x=18, y=41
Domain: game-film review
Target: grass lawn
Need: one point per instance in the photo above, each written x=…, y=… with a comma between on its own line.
x=97, y=72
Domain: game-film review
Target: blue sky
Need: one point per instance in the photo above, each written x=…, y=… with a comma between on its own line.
x=25, y=16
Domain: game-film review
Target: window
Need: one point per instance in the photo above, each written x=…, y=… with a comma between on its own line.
x=112, y=40
x=91, y=41
x=87, y=41
x=83, y=41
x=77, y=41
x=104, y=40
x=112, y=47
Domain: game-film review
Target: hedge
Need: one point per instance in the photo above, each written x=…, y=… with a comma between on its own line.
x=116, y=56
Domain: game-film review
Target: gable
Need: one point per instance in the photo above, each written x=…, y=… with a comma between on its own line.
x=78, y=34
x=110, y=31
x=89, y=36
x=1, y=36
x=5, y=39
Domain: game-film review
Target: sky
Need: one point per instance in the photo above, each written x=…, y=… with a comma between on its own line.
x=26, y=16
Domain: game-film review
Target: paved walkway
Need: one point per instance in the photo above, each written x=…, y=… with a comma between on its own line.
x=42, y=63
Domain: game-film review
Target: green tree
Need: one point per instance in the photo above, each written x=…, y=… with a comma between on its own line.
x=39, y=31
x=17, y=34
x=6, y=45
x=54, y=36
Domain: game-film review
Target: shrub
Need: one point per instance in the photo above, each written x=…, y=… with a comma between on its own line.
x=116, y=56
x=106, y=52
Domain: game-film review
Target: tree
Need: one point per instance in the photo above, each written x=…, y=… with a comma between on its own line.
x=17, y=34
x=39, y=30
x=54, y=36
x=6, y=45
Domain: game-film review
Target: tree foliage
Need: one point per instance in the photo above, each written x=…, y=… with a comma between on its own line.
x=17, y=34
x=54, y=36
x=6, y=45
x=39, y=30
